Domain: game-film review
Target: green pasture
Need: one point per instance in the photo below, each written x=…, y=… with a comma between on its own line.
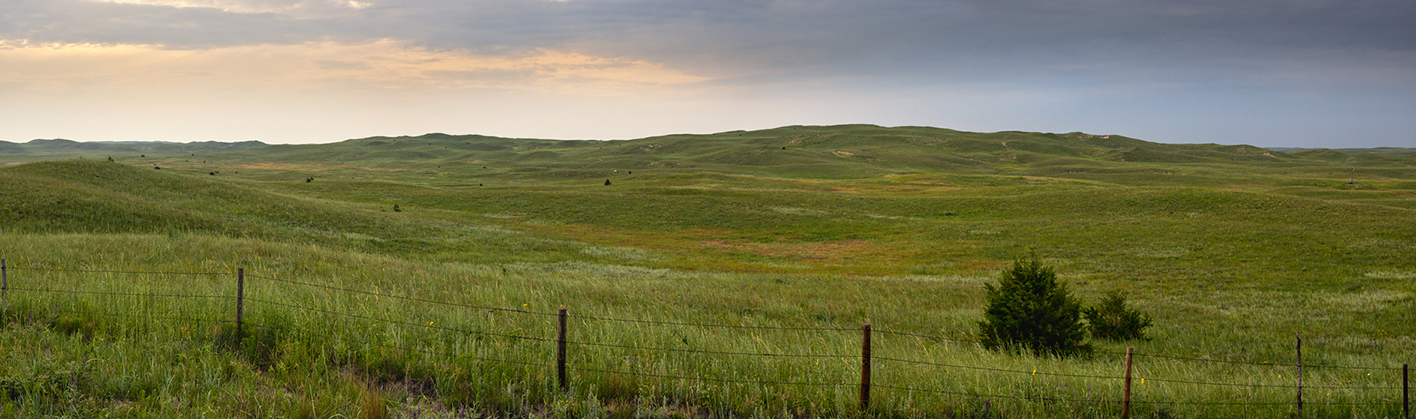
x=799, y=234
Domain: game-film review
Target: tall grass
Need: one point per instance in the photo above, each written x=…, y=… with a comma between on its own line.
x=1230, y=251
x=81, y=350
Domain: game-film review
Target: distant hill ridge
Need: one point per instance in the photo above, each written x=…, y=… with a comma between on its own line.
x=60, y=145
x=832, y=151
x=841, y=151
x=1379, y=150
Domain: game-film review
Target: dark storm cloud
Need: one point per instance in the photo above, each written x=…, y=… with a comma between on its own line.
x=1083, y=41
x=803, y=32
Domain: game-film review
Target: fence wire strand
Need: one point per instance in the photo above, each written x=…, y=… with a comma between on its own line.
x=976, y=341
x=713, y=325
x=425, y=326
x=331, y=287
x=1265, y=364
x=405, y=348
x=439, y=353
x=918, y=335
x=128, y=294
x=1305, y=387
x=13, y=268
x=1213, y=403
x=720, y=380
x=761, y=354
x=1205, y=383
x=1340, y=367
x=998, y=396
x=139, y=316
x=1054, y=374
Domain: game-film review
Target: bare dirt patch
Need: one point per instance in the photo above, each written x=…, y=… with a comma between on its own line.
x=815, y=252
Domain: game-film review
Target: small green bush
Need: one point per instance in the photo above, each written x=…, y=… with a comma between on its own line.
x=1114, y=321
x=1029, y=309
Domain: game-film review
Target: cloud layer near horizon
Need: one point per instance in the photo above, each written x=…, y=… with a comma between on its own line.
x=1302, y=73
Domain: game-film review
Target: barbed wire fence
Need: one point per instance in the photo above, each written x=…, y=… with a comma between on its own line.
x=562, y=367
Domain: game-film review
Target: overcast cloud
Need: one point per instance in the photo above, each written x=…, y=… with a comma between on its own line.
x=1276, y=73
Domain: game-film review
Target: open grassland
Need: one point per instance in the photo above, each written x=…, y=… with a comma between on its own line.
x=1231, y=248
x=57, y=149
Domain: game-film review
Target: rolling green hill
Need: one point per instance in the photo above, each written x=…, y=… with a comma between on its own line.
x=1230, y=247
x=780, y=200
x=837, y=152
x=810, y=152
x=701, y=198
x=60, y=148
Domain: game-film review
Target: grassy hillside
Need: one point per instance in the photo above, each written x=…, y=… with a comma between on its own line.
x=13, y=153
x=1231, y=248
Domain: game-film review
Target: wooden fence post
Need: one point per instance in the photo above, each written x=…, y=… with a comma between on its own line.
x=865, y=368
x=1300, y=374
x=560, y=352
x=4, y=279
x=240, y=298
x=1126, y=387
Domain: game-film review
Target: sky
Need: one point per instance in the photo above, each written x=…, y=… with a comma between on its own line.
x=1273, y=73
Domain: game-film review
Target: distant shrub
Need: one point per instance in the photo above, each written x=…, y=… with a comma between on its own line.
x=1030, y=310
x=1113, y=320
x=607, y=182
